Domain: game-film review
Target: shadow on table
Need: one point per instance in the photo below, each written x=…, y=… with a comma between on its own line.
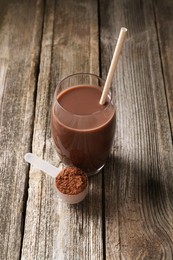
x=138, y=201
x=144, y=183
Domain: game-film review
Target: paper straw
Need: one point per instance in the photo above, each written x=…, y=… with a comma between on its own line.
x=114, y=62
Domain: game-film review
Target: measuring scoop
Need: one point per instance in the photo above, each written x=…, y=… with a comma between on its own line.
x=53, y=172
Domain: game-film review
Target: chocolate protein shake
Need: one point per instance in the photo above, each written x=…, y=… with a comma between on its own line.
x=82, y=129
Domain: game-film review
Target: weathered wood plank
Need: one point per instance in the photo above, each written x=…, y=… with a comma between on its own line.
x=138, y=181
x=20, y=37
x=55, y=230
x=164, y=21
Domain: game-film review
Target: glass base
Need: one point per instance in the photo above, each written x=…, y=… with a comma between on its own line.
x=89, y=174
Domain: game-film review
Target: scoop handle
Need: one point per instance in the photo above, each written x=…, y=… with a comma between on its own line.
x=41, y=164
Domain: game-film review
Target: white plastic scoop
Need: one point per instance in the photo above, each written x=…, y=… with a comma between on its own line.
x=53, y=172
x=42, y=165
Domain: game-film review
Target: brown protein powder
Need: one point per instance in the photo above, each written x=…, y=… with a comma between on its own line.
x=71, y=181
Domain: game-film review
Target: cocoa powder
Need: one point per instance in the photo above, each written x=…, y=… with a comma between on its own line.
x=71, y=181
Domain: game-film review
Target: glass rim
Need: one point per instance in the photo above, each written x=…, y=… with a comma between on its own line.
x=78, y=74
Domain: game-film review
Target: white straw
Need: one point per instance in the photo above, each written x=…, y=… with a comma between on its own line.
x=114, y=61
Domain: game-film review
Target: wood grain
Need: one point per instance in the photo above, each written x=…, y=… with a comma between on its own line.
x=138, y=180
x=164, y=23
x=20, y=36
x=53, y=229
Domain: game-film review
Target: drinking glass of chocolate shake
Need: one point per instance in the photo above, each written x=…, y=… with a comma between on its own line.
x=82, y=129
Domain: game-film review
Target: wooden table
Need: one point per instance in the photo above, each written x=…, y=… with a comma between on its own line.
x=128, y=213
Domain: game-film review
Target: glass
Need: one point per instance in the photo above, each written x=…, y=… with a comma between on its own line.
x=83, y=135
